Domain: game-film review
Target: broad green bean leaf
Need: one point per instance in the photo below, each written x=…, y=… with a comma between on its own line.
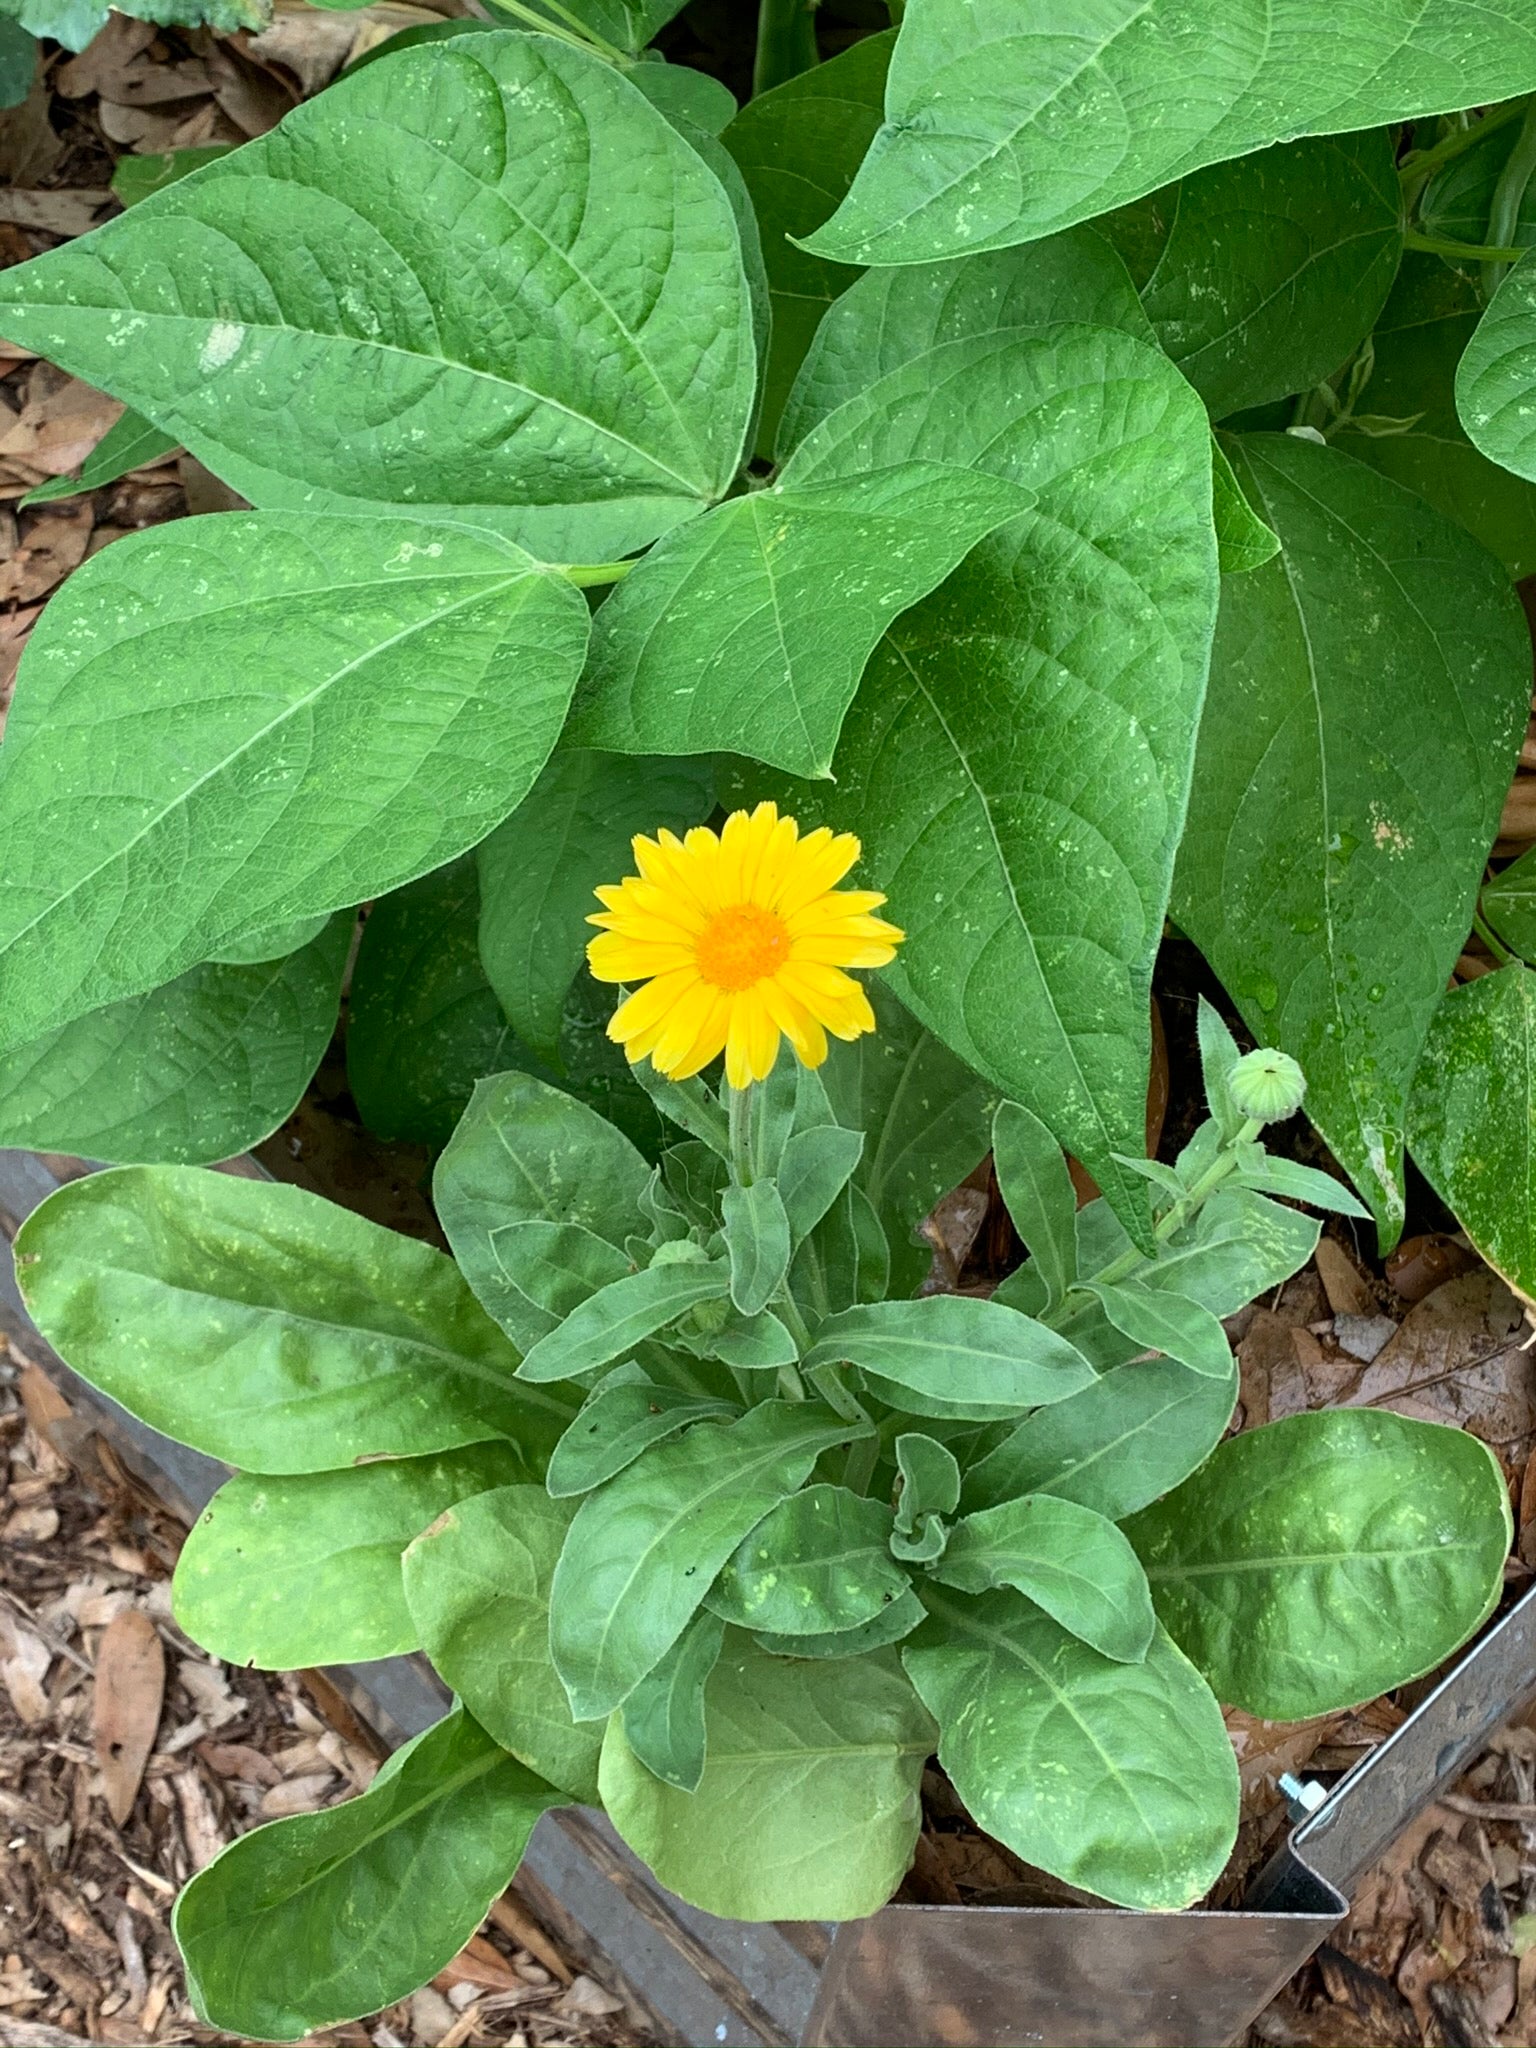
x=644, y=1549
x=697, y=105
x=539, y=869
x=754, y=1344
x=1011, y=118
x=816, y=1564
x=808, y=1805
x=270, y=1328
x=991, y=768
x=889, y=1626
x=423, y=1023
x=18, y=62
x=664, y=1716
x=382, y=302
x=1508, y=903
x=288, y=1572
x=925, y=1116
x=201, y=1069
x=217, y=812
x=1037, y=1189
x=1137, y=1431
x=524, y=1152
x=1368, y=693
x=1411, y=432
x=1117, y=1777
x=798, y=147
x=130, y=443
x=1272, y=1175
x=816, y=1167
x=610, y=1323
x=1497, y=372
x=555, y=1267
x=757, y=1241
x=273, y=942
x=888, y=317
x=1064, y=1557
x=621, y=1419
x=1472, y=1117
x=477, y=1587
x=1243, y=541
x=930, y=1479
x=1262, y=276
x=1158, y=1319
x=138, y=177
x=950, y=1354
x=627, y=24
x=311, y=1921
x=1319, y=1561
x=748, y=629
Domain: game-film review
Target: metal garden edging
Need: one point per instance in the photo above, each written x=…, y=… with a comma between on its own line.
x=909, y=1976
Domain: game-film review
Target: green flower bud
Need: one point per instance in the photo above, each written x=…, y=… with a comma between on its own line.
x=1266, y=1085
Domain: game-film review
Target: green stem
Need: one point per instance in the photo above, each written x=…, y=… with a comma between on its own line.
x=786, y=42
x=587, y=575
x=1460, y=252
x=1420, y=164
x=828, y=1383
x=1492, y=941
x=578, y=35
x=739, y=1113
x=863, y=1456
x=1509, y=195
x=791, y=1386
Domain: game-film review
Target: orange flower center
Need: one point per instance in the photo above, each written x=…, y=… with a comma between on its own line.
x=740, y=946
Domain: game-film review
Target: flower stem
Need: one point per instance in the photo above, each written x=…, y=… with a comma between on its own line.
x=738, y=1102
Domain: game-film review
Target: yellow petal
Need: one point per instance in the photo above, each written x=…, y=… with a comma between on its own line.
x=655, y=1004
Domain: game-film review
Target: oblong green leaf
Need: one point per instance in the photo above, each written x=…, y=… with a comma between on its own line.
x=386, y=301
x=525, y=1152
x=308, y=1922
x=816, y=1564
x=758, y=1343
x=1068, y=1560
x=1263, y=275
x=1319, y=1561
x=1117, y=1777
x=1368, y=693
x=217, y=812
x=889, y=1626
x=288, y=1572
x=476, y=1586
x=621, y=1315
x=1157, y=1319
x=270, y=1328
x=644, y=1549
x=619, y=1420
x=1138, y=1430
x=1472, y=1117
x=201, y=1069
x=423, y=1023
x=664, y=1716
x=815, y=1765
x=539, y=869
x=950, y=1354
x=1037, y=1189
x=1005, y=123
x=757, y=1242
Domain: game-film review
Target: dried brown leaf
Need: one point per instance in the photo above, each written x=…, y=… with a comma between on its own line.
x=130, y=1687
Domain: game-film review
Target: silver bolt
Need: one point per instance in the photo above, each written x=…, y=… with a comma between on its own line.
x=1302, y=1795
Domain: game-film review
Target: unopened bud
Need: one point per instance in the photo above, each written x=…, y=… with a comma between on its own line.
x=1266, y=1085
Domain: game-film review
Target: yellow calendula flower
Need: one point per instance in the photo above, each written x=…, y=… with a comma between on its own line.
x=739, y=937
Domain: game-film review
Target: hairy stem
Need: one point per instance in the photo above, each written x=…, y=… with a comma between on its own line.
x=738, y=1102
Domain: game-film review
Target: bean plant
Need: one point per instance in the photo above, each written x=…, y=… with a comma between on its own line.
x=1083, y=455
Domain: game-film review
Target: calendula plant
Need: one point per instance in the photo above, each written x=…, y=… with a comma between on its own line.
x=706, y=1521
x=616, y=454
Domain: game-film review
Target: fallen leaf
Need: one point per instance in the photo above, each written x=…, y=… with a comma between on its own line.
x=1343, y=1282
x=204, y=1837
x=480, y=1965
x=53, y=542
x=73, y=212
x=130, y=1686
x=1457, y=1359
x=297, y=1795
x=24, y=1662
x=107, y=58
